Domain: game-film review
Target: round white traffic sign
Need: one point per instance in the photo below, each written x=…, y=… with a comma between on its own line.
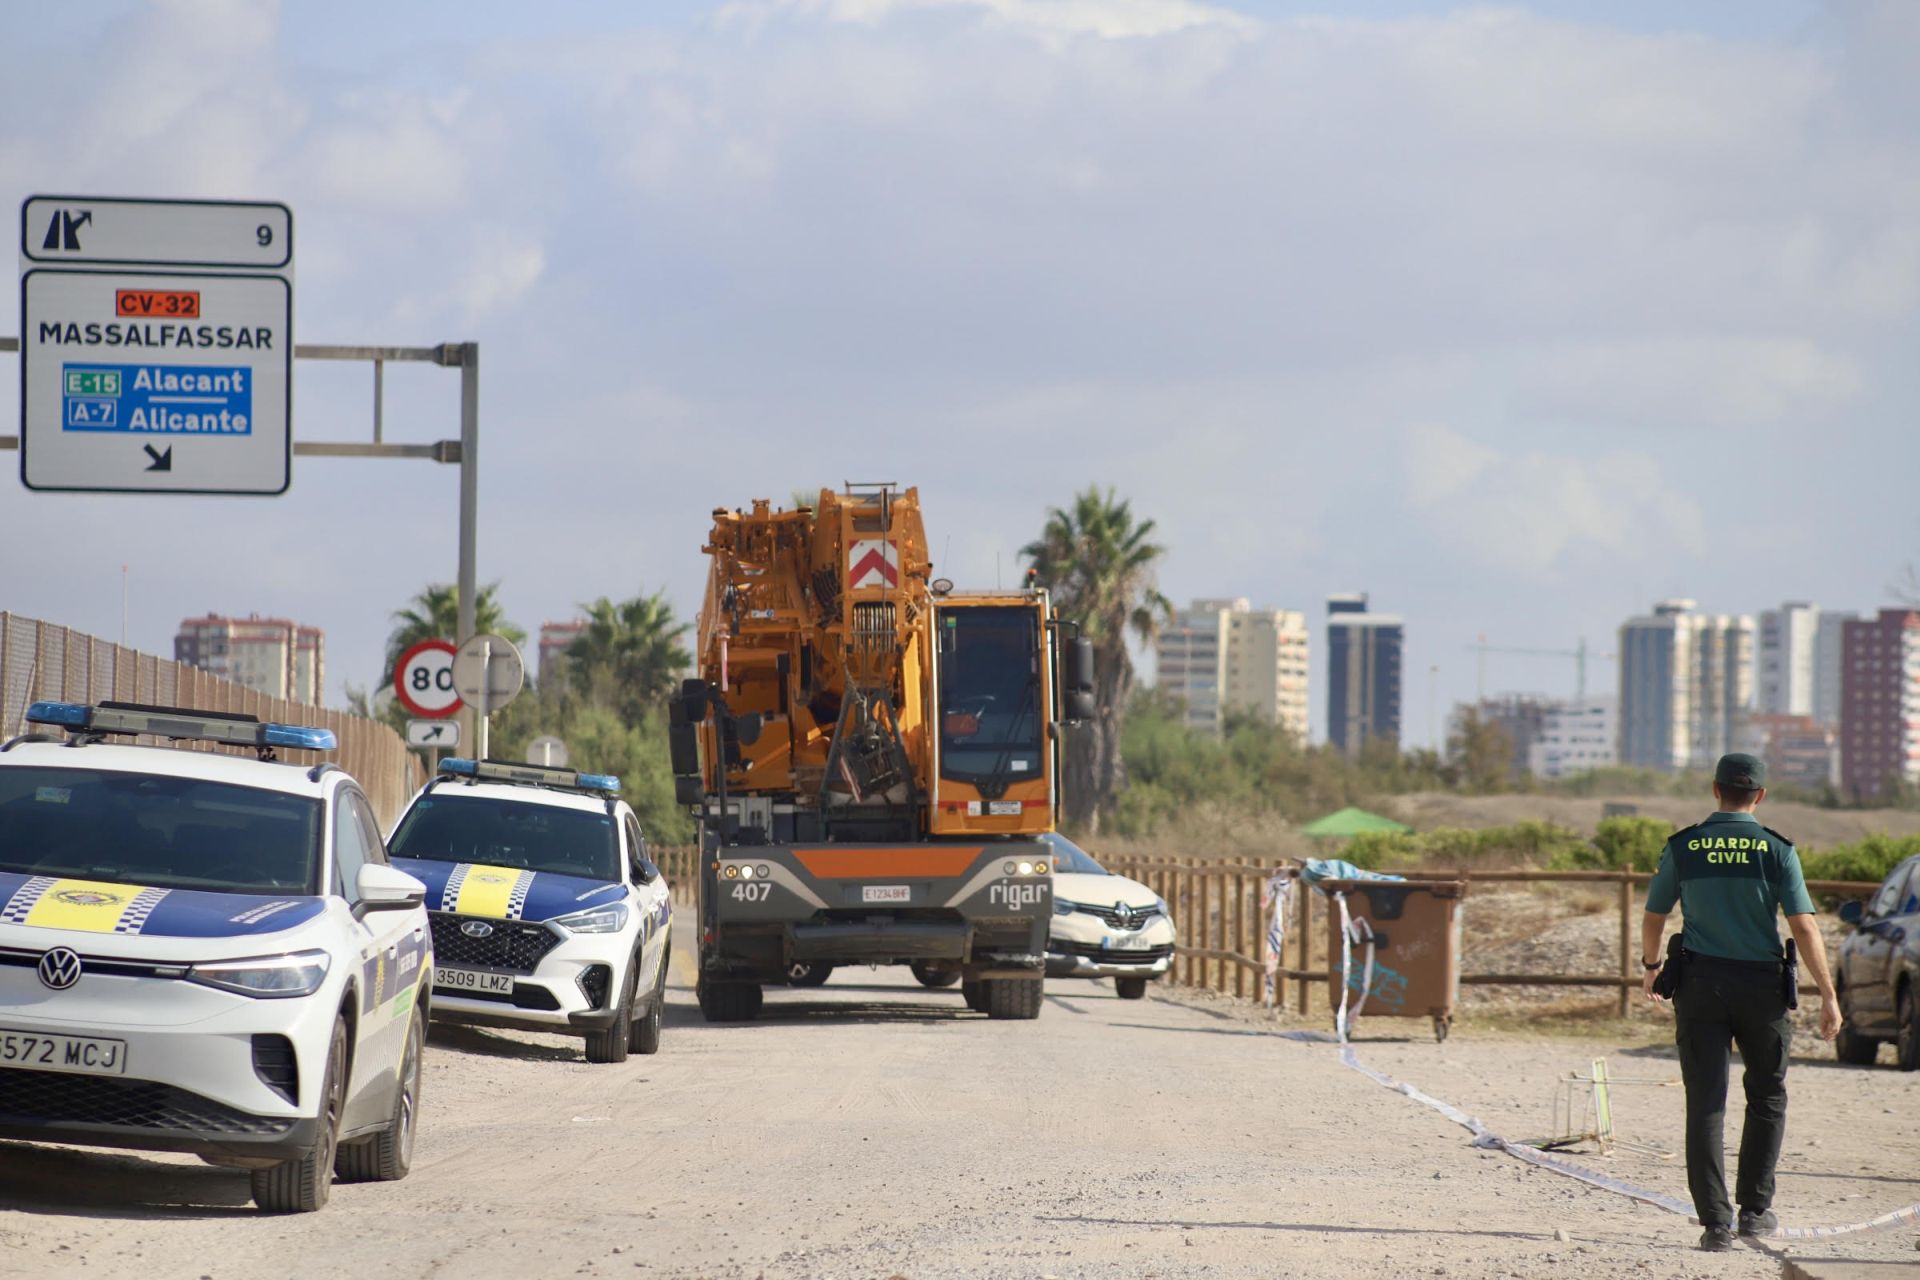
x=423, y=680
x=488, y=673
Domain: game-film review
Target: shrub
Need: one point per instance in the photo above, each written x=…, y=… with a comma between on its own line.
x=1621, y=844
x=1868, y=859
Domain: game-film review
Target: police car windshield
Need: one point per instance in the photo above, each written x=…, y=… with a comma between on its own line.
x=508, y=833
x=1070, y=859
x=157, y=831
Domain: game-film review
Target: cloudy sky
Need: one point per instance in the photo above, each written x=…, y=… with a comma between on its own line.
x=1517, y=317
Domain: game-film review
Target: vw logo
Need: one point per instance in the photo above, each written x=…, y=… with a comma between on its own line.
x=477, y=929
x=60, y=968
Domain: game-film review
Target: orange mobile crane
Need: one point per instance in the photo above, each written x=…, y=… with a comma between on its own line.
x=874, y=758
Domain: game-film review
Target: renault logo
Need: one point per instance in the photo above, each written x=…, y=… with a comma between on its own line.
x=477, y=929
x=1123, y=915
x=60, y=968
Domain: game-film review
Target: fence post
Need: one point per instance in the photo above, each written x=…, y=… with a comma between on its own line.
x=1626, y=943
x=1302, y=928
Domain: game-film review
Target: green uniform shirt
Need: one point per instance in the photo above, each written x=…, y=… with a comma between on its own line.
x=1730, y=874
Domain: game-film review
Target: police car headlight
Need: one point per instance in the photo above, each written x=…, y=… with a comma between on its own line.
x=272, y=977
x=1061, y=907
x=1161, y=903
x=608, y=919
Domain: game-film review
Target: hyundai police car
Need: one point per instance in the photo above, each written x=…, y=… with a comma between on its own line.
x=1105, y=925
x=547, y=912
x=205, y=953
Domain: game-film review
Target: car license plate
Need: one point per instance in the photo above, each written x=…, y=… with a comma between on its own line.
x=86, y=1054
x=445, y=979
x=1125, y=942
x=886, y=893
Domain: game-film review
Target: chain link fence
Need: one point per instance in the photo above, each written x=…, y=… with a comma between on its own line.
x=42, y=661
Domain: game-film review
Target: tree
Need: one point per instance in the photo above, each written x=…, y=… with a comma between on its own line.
x=1482, y=752
x=434, y=614
x=629, y=656
x=1098, y=561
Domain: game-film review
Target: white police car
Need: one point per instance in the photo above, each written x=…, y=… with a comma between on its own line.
x=547, y=912
x=205, y=953
x=1105, y=925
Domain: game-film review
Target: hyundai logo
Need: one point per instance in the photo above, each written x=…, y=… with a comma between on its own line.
x=477, y=929
x=60, y=968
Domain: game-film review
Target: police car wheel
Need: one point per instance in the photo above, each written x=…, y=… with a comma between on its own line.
x=1907, y=1043
x=932, y=974
x=1130, y=988
x=1013, y=998
x=646, y=1027
x=301, y=1185
x=387, y=1155
x=611, y=1044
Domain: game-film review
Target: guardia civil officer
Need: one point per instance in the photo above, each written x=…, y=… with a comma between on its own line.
x=1730, y=875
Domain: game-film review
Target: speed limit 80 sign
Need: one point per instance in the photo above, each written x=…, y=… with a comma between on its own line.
x=423, y=679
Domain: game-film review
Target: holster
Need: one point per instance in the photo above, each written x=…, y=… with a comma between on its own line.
x=1790, y=976
x=1666, y=983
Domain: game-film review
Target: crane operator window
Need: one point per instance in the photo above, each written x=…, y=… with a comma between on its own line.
x=991, y=718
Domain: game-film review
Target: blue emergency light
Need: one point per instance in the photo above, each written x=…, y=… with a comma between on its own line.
x=533, y=774
x=180, y=724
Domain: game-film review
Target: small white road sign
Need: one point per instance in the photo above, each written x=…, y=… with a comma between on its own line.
x=488, y=673
x=433, y=733
x=423, y=680
x=548, y=752
x=156, y=345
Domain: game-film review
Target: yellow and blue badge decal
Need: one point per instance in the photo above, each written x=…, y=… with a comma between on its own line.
x=86, y=906
x=100, y=906
x=475, y=889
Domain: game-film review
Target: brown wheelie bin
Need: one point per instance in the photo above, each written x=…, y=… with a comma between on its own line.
x=1414, y=927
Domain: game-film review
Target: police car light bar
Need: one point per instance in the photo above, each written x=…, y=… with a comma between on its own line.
x=533, y=774
x=180, y=724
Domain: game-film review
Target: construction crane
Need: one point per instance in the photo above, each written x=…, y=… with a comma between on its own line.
x=1578, y=653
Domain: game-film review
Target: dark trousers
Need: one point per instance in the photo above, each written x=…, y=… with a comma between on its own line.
x=1722, y=1003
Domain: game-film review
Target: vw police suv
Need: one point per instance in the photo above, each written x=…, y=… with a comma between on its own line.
x=205, y=953
x=547, y=912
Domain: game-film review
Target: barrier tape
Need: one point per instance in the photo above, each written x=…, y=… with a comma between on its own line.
x=1485, y=1139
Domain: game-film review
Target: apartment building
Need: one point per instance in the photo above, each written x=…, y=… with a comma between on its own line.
x=1880, y=703
x=1365, y=652
x=1221, y=656
x=1576, y=735
x=1686, y=678
x=274, y=656
x=555, y=637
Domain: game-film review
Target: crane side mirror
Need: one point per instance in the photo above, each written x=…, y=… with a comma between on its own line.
x=689, y=790
x=691, y=705
x=1851, y=912
x=1076, y=681
x=683, y=748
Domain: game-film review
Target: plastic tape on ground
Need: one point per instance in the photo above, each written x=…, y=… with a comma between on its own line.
x=1494, y=1142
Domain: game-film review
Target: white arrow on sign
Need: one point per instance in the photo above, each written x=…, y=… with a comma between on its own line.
x=433, y=733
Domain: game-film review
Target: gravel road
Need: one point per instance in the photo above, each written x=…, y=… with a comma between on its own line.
x=874, y=1129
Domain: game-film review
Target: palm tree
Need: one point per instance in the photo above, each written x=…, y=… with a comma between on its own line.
x=629, y=655
x=435, y=615
x=1098, y=561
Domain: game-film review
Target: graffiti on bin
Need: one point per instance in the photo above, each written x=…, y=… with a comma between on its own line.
x=1389, y=986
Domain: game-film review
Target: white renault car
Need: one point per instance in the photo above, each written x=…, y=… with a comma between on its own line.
x=205, y=953
x=1105, y=925
x=547, y=912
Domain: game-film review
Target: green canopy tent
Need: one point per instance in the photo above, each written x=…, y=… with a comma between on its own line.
x=1350, y=822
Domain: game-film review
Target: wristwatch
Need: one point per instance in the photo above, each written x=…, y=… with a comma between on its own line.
x=1651, y=965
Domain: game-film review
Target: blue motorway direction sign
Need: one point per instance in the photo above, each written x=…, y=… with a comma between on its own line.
x=158, y=399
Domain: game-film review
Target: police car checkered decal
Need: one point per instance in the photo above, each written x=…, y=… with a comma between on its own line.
x=517, y=900
x=134, y=918
x=450, y=896
x=25, y=897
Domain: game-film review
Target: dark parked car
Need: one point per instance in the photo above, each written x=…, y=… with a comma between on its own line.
x=1879, y=972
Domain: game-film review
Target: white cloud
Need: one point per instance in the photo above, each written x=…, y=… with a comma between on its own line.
x=1109, y=19
x=1688, y=381
x=1531, y=513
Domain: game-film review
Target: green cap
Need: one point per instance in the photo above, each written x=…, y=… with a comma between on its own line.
x=1738, y=769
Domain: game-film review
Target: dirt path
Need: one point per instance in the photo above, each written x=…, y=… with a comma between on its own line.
x=873, y=1129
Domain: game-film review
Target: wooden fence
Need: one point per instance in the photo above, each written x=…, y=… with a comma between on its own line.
x=1222, y=927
